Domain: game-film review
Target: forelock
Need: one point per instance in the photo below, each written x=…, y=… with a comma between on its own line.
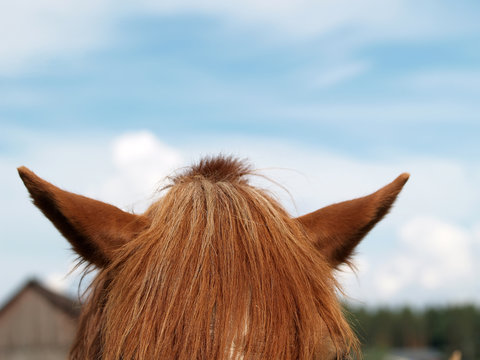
x=216, y=169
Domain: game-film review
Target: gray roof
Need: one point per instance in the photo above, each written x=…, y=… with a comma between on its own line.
x=65, y=304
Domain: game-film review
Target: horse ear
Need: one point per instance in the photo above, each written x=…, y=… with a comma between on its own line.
x=93, y=228
x=337, y=229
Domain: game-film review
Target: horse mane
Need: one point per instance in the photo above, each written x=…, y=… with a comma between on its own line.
x=222, y=272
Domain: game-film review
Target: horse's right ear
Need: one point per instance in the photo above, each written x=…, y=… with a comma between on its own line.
x=337, y=229
x=93, y=228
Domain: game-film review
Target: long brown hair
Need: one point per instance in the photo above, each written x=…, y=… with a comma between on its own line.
x=216, y=269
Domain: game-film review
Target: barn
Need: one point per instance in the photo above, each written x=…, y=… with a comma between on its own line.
x=37, y=324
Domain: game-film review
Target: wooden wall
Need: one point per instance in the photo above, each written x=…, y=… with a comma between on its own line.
x=33, y=328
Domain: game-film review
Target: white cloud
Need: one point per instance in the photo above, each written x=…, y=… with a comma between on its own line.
x=142, y=148
x=439, y=243
x=434, y=257
x=141, y=161
x=67, y=280
x=57, y=282
x=400, y=274
x=476, y=233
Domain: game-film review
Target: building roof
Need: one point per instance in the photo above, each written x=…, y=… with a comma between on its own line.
x=61, y=302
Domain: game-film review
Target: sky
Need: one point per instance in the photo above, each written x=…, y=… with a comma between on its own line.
x=332, y=99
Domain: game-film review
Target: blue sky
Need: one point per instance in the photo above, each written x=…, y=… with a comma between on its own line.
x=331, y=98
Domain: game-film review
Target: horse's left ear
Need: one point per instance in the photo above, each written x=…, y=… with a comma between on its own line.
x=95, y=229
x=337, y=229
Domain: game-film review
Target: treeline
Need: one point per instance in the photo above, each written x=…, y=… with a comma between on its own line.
x=443, y=328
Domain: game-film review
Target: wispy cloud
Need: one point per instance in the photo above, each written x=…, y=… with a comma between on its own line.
x=397, y=19
x=454, y=82
x=383, y=111
x=328, y=77
x=294, y=18
x=34, y=32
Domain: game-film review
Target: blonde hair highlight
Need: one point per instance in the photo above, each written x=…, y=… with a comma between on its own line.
x=222, y=272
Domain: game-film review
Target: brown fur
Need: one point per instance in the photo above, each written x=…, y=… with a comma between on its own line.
x=216, y=269
x=337, y=229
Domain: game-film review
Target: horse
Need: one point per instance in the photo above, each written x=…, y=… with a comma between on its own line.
x=214, y=269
